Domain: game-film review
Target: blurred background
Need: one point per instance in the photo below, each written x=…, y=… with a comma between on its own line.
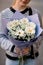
x=38, y=4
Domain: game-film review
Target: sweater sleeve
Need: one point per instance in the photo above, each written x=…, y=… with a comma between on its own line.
x=39, y=41
x=5, y=43
x=40, y=19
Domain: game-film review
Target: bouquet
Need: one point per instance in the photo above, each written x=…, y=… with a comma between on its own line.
x=23, y=30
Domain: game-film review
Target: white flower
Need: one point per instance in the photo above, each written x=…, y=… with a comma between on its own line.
x=20, y=33
x=29, y=30
x=33, y=25
x=16, y=22
x=12, y=24
x=24, y=20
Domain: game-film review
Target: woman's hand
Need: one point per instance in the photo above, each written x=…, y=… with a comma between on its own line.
x=17, y=50
x=26, y=50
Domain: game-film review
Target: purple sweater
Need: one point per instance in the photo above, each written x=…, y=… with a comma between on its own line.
x=5, y=43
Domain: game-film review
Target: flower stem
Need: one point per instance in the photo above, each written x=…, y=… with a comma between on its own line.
x=21, y=61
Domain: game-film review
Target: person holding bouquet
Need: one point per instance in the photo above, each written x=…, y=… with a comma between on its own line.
x=11, y=50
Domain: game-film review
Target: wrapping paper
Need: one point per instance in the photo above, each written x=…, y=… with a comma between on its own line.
x=34, y=18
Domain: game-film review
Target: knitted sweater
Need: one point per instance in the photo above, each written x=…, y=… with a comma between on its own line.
x=7, y=15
